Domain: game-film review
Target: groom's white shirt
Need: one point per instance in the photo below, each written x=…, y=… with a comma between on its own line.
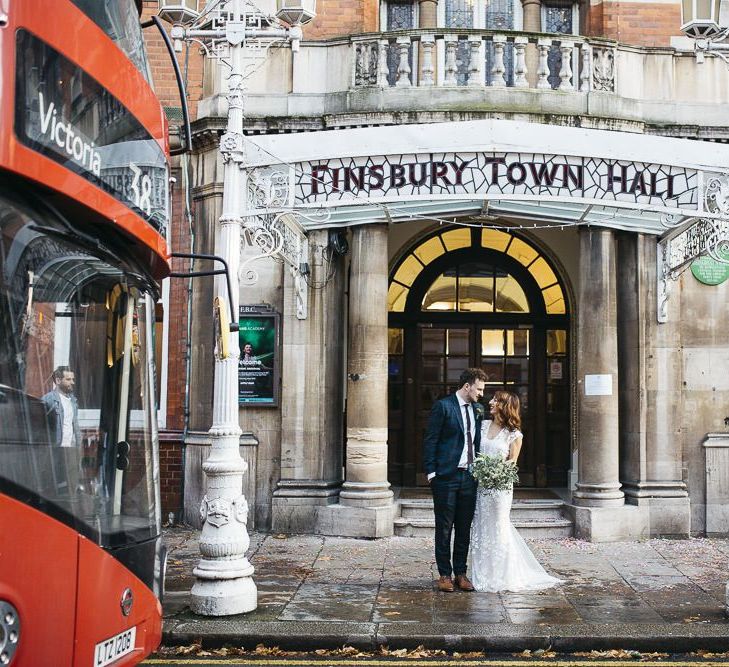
x=463, y=462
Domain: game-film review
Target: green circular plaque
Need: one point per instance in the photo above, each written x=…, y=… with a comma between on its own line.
x=710, y=272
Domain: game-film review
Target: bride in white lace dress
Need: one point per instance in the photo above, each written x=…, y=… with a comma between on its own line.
x=500, y=559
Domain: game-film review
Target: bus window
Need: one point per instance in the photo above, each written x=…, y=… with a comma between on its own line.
x=77, y=407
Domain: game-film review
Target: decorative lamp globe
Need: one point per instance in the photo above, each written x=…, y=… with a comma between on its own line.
x=700, y=18
x=296, y=12
x=182, y=12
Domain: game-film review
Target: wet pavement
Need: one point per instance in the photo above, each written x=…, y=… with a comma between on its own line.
x=322, y=592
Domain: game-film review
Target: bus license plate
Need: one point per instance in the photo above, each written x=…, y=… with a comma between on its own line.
x=114, y=648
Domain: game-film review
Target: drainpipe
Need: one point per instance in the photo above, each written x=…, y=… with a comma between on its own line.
x=185, y=166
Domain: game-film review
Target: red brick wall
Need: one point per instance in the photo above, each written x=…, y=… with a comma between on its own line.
x=163, y=75
x=343, y=17
x=642, y=24
x=645, y=24
x=170, y=472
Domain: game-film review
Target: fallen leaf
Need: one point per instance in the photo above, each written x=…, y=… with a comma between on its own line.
x=189, y=649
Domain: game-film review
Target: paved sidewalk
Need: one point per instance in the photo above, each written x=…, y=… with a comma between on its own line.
x=323, y=592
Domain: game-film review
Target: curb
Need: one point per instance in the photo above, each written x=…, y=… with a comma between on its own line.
x=497, y=638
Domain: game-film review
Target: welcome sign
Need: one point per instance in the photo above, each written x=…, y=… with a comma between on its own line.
x=434, y=175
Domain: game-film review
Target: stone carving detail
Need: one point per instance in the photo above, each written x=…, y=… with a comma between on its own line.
x=277, y=236
x=603, y=69
x=716, y=195
x=670, y=220
x=231, y=146
x=215, y=512
x=451, y=65
x=366, y=64
x=499, y=68
x=585, y=69
x=301, y=289
x=268, y=188
x=240, y=506
x=565, y=70
x=403, y=64
x=663, y=281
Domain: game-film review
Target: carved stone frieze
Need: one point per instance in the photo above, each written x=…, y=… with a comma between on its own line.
x=716, y=195
x=367, y=59
x=268, y=188
x=603, y=69
x=232, y=148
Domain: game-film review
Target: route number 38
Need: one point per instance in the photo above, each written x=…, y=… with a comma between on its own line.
x=141, y=189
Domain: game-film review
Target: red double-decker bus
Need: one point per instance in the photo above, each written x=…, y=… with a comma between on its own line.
x=84, y=205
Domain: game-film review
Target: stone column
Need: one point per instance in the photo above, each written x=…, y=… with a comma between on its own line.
x=598, y=495
x=649, y=361
x=313, y=403
x=366, y=484
x=427, y=13
x=597, y=358
x=427, y=18
x=366, y=501
x=532, y=13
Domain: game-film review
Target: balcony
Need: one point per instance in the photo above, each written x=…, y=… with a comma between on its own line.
x=426, y=75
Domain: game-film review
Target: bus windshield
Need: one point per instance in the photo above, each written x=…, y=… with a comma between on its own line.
x=119, y=19
x=78, y=436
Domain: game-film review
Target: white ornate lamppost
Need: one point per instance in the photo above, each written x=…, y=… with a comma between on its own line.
x=229, y=30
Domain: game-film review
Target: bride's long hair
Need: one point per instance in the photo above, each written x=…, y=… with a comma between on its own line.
x=507, y=409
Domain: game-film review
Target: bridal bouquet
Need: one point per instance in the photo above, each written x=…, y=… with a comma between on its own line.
x=493, y=473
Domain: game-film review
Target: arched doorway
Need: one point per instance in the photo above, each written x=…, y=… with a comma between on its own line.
x=463, y=297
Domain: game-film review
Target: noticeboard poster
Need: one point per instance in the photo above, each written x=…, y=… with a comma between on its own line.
x=258, y=364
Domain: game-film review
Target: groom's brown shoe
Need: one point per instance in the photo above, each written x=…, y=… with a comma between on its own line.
x=463, y=583
x=445, y=584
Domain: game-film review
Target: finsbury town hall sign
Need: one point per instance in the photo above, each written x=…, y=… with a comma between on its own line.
x=433, y=175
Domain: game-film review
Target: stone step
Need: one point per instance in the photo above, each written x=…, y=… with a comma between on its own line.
x=547, y=529
x=520, y=509
x=542, y=518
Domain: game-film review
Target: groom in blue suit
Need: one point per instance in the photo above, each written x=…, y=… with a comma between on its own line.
x=452, y=440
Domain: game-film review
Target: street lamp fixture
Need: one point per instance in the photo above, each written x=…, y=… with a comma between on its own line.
x=700, y=22
x=182, y=12
x=700, y=18
x=296, y=13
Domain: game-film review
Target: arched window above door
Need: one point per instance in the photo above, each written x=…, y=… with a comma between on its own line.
x=475, y=286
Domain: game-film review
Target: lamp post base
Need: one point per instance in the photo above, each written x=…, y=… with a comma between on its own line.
x=223, y=597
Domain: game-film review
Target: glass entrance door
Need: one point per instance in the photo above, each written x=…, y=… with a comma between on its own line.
x=445, y=352
x=504, y=355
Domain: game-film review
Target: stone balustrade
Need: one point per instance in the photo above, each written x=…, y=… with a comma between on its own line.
x=483, y=59
x=365, y=78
